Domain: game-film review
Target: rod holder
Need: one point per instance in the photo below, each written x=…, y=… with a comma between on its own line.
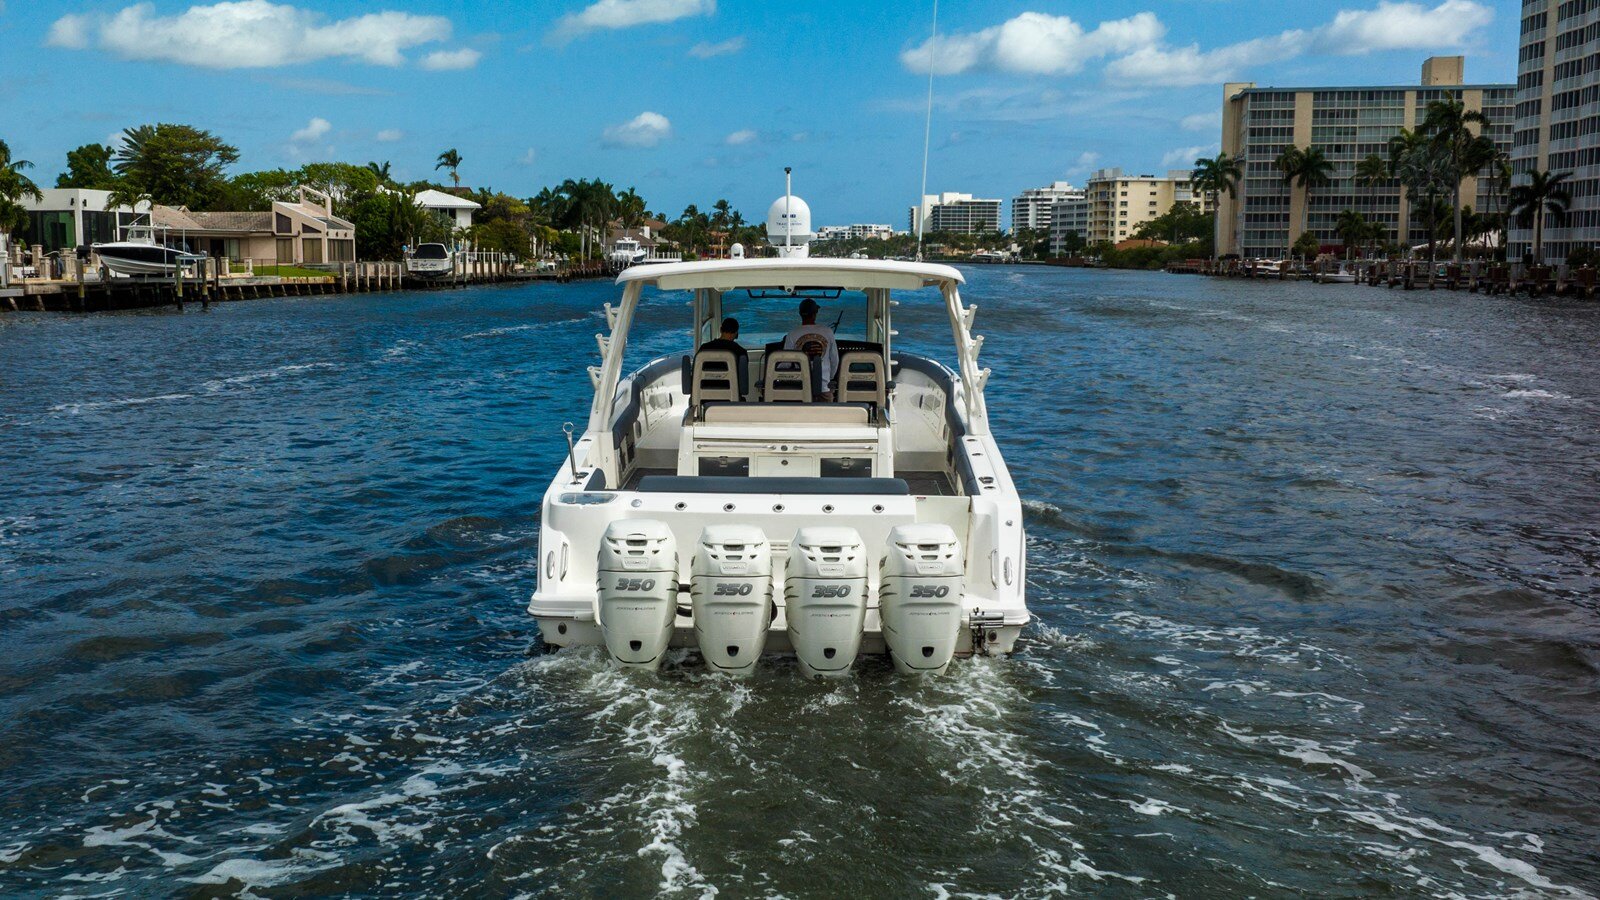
x=572, y=453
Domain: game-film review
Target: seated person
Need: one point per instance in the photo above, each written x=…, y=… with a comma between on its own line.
x=730, y=341
x=817, y=342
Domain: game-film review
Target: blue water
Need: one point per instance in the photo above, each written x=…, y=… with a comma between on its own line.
x=1316, y=571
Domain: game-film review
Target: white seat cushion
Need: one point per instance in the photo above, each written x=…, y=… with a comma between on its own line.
x=822, y=414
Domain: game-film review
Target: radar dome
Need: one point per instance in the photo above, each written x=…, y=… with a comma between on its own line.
x=736, y=251
x=789, y=225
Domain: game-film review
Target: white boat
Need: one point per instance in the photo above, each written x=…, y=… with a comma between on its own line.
x=138, y=253
x=721, y=503
x=1342, y=276
x=430, y=261
x=627, y=251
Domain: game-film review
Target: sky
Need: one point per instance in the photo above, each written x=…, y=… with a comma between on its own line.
x=693, y=100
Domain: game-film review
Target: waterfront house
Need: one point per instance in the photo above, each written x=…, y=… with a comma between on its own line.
x=300, y=232
x=454, y=211
x=65, y=218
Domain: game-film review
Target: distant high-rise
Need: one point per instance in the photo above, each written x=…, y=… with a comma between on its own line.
x=1070, y=216
x=1032, y=208
x=956, y=213
x=1558, y=117
x=1264, y=217
x=1119, y=203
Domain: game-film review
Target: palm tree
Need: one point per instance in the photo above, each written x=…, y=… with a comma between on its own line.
x=1213, y=176
x=1446, y=124
x=1541, y=196
x=451, y=160
x=630, y=209
x=381, y=170
x=13, y=187
x=1354, y=228
x=1310, y=168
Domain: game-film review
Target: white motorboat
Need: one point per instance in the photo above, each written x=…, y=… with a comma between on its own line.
x=742, y=505
x=138, y=254
x=627, y=251
x=430, y=261
x=1343, y=275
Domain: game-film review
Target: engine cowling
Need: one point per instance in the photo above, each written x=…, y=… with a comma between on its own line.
x=920, y=586
x=825, y=599
x=731, y=589
x=638, y=588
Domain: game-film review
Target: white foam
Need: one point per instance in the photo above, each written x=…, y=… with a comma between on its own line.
x=1488, y=855
x=73, y=409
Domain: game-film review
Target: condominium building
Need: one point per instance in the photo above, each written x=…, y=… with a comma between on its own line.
x=855, y=232
x=1032, y=208
x=1558, y=117
x=955, y=213
x=1265, y=216
x=1069, y=216
x=1119, y=203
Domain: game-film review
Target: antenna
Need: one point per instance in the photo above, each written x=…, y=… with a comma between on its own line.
x=788, y=191
x=927, y=131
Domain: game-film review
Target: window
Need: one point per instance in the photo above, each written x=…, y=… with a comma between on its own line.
x=285, y=250
x=312, y=248
x=281, y=224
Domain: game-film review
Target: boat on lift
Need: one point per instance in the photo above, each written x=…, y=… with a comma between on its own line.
x=785, y=498
x=627, y=251
x=432, y=260
x=139, y=253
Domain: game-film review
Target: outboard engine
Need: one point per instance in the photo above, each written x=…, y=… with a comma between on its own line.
x=731, y=587
x=919, y=596
x=825, y=598
x=638, y=587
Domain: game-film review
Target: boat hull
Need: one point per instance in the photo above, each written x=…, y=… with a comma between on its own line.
x=138, y=259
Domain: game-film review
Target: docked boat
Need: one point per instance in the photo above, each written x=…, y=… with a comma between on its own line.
x=139, y=254
x=785, y=496
x=627, y=251
x=430, y=261
x=1343, y=275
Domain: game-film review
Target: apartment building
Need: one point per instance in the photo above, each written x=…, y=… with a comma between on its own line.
x=955, y=213
x=855, y=232
x=1034, y=207
x=1264, y=217
x=1119, y=203
x=1557, y=126
x=1069, y=216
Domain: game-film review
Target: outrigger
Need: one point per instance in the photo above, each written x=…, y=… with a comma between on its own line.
x=746, y=503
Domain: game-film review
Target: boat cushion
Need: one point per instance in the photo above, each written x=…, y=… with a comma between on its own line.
x=785, y=414
x=727, y=484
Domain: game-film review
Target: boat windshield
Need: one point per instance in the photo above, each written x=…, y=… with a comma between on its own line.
x=767, y=316
x=431, y=251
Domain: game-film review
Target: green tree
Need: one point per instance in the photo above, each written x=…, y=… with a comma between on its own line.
x=174, y=165
x=1305, y=246
x=1216, y=175
x=1541, y=197
x=381, y=170
x=13, y=187
x=88, y=167
x=1447, y=125
x=450, y=159
x=1309, y=168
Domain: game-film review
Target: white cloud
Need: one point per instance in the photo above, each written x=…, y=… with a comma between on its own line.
x=1184, y=157
x=1040, y=44
x=1183, y=66
x=448, y=60
x=1404, y=26
x=527, y=158
x=314, y=130
x=1206, y=121
x=1085, y=163
x=70, y=31
x=647, y=129
x=390, y=135
x=706, y=50
x=742, y=136
x=611, y=14
x=1034, y=43
x=249, y=34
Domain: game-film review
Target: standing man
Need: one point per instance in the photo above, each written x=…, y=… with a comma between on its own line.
x=817, y=342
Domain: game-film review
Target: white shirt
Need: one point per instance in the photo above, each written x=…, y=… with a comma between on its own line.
x=830, y=353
